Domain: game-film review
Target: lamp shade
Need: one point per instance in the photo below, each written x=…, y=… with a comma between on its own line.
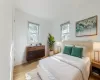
x=96, y=46
x=58, y=43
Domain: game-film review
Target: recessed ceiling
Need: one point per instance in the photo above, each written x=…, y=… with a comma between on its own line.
x=49, y=9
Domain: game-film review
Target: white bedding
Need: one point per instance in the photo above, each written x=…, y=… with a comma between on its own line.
x=64, y=67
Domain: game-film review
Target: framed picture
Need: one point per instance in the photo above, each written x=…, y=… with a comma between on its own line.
x=86, y=27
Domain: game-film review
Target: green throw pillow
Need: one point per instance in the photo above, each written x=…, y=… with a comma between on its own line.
x=67, y=50
x=77, y=52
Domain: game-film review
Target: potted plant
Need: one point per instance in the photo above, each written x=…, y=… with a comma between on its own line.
x=51, y=42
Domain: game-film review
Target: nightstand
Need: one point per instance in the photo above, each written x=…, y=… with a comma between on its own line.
x=95, y=69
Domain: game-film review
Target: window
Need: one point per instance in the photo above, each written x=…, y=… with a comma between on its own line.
x=65, y=31
x=33, y=32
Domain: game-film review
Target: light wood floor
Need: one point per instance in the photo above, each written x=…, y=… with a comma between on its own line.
x=19, y=71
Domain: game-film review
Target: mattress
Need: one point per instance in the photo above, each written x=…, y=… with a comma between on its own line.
x=60, y=67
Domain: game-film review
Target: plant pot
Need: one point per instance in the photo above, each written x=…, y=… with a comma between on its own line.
x=51, y=53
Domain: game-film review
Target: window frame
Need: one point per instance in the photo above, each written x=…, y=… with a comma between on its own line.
x=68, y=22
x=29, y=42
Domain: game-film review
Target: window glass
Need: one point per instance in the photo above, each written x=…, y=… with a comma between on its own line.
x=65, y=31
x=33, y=32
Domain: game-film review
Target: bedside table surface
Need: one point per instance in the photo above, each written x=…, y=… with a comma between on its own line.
x=96, y=64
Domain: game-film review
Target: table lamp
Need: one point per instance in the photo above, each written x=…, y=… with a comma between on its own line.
x=96, y=51
x=58, y=47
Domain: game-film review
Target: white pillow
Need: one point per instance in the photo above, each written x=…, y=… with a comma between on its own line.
x=84, y=53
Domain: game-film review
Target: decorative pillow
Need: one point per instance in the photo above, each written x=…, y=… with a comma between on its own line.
x=68, y=50
x=84, y=53
x=77, y=52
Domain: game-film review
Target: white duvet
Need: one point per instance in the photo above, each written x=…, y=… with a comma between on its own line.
x=64, y=67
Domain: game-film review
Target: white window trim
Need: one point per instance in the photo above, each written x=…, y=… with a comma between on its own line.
x=28, y=33
x=61, y=28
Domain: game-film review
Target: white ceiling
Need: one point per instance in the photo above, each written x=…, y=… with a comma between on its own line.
x=48, y=9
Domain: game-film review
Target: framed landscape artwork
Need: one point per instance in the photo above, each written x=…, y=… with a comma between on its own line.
x=86, y=27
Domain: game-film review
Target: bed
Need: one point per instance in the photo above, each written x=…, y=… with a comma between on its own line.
x=65, y=67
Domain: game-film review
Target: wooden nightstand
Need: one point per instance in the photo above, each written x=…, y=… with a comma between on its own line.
x=95, y=69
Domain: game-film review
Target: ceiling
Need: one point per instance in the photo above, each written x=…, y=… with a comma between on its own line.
x=49, y=9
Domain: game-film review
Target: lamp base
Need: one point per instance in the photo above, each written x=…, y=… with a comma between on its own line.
x=51, y=53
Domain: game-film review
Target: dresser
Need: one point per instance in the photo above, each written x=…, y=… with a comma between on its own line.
x=35, y=52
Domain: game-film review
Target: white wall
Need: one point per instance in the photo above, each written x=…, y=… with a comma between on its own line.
x=83, y=9
x=21, y=32
x=5, y=38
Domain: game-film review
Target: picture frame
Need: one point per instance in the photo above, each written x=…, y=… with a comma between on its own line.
x=87, y=27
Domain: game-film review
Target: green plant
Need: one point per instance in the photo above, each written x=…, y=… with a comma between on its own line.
x=51, y=42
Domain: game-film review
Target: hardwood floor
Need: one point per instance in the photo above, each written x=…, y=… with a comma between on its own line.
x=19, y=71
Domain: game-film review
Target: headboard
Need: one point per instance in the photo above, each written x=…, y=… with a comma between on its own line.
x=87, y=44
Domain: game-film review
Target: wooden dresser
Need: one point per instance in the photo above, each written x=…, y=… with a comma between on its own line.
x=35, y=52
